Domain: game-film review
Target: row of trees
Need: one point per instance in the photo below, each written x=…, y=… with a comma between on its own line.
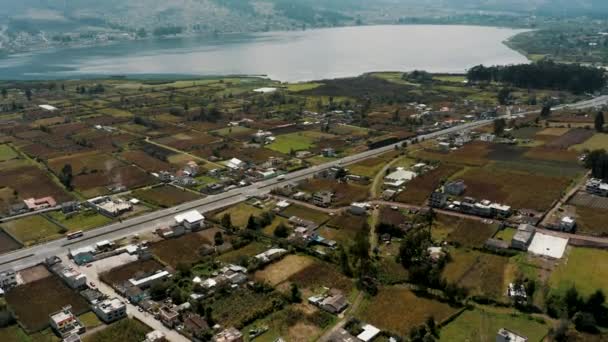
x=542, y=75
x=597, y=162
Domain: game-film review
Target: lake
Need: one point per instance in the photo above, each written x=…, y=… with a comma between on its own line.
x=286, y=56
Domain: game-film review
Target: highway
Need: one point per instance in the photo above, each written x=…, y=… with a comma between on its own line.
x=27, y=257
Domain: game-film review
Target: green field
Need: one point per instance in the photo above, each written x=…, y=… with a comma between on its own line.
x=14, y=333
x=7, y=153
x=506, y=234
x=239, y=214
x=32, y=229
x=482, y=326
x=295, y=87
x=585, y=268
x=450, y=78
x=597, y=141
x=234, y=256
x=230, y=131
x=90, y=320
x=124, y=330
x=83, y=220
x=299, y=141
x=305, y=213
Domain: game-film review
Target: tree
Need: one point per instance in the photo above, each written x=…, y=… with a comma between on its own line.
x=499, y=126
x=252, y=223
x=183, y=269
x=4, y=92
x=218, y=239
x=296, y=295
x=209, y=316
x=504, y=96
x=396, y=115
x=597, y=162
x=28, y=94
x=281, y=231
x=595, y=303
x=546, y=111
x=226, y=221
x=599, y=122
x=430, y=325
x=66, y=176
x=584, y=321
x=344, y=262
x=572, y=301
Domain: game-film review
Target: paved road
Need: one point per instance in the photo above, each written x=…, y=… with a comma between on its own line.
x=27, y=257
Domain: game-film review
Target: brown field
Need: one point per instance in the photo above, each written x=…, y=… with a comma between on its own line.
x=34, y=302
x=120, y=274
x=552, y=154
x=188, y=140
x=89, y=162
x=483, y=274
x=305, y=213
x=33, y=274
x=284, y=269
x=474, y=154
x=30, y=181
x=145, y=161
x=343, y=228
x=128, y=176
x=392, y=217
x=572, y=137
x=165, y=196
x=344, y=194
x=420, y=188
x=347, y=221
x=591, y=221
x=184, y=249
x=7, y=243
x=470, y=233
x=553, y=131
x=399, y=310
x=320, y=274
x=514, y=189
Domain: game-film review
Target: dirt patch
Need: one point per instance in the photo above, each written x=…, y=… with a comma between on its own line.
x=302, y=332
x=420, y=188
x=573, y=137
x=123, y=273
x=32, y=274
x=184, y=249
x=282, y=270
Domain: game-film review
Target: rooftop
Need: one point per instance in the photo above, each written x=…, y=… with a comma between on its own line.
x=192, y=216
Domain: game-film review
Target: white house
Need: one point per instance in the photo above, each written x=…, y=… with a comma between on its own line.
x=369, y=333
x=191, y=219
x=235, y=164
x=398, y=178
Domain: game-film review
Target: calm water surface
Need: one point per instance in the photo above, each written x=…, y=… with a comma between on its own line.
x=285, y=56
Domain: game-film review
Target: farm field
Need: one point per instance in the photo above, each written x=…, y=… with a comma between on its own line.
x=165, y=196
x=591, y=221
x=7, y=243
x=344, y=193
x=297, y=322
x=419, y=189
x=597, y=141
x=283, y=269
x=253, y=305
x=483, y=274
x=469, y=233
x=480, y=325
x=399, y=310
x=305, y=213
x=127, y=329
x=123, y=273
x=7, y=153
x=83, y=220
x=585, y=268
x=34, y=302
x=33, y=229
x=239, y=214
x=14, y=333
x=245, y=252
x=300, y=141
x=184, y=249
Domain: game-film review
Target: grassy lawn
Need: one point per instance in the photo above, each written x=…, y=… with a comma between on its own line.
x=90, y=320
x=124, y=330
x=251, y=306
x=14, y=333
x=585, y=268
x=239, y=214
x=295, y=87
x=7, y=153
x=305, y=213
x=597, y=141
x=165, y=196
x=83, y=220
x=399, y=310
x=280, y=271
x=184, y=249
x=480, y=325
x=230, y=131
x=450, y=78
x=506, y=234
x=33, y=229
x=591, y=221
x=298, y=141
x=250, y=250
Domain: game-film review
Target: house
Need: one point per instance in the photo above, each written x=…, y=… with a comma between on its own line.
x=522, y=239
x=191, y=220
x=168, y=316
x=8, y=279
x=65, y=323
x=70, y=207
x=328, y=152
x=185, y=181
x=398, y=178
x=438, y=199
x=334, y=303
x=597, y=187
x=48, y=107
x=82, y=255
x=419, y=168
x=191, y=169
x=34, y=204
x=358, y=208
x=567, y=224
x=483, y=209
x=487, y=137
x=235, y=164
x=70, y=276
x=455, y=188
x=228, y=335
x=266, y=174
x=194, y=324
x=92, y=295
x=110, y=207
x=517, y=292
x=505, y=335
x=500, y=210
x=261, y=136
x=322, y=198
x=271, y=255
x=496, y=245
x=444, y=146
x=110, y=310
x=369, y=333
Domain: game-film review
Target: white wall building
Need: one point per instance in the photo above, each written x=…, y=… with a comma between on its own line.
x=110, y=310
